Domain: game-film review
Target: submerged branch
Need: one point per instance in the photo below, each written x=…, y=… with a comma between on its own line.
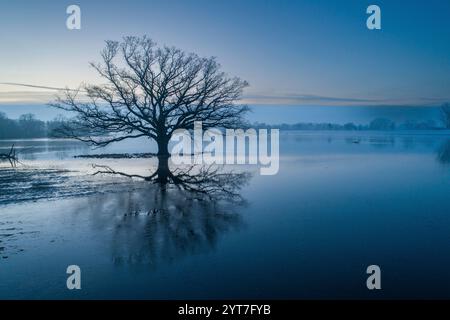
x=109, y=170
x=11, y=157
x=117, y=156
x=209, y=182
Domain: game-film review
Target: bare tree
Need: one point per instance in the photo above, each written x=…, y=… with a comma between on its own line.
x=150, y=92
x=445, y=110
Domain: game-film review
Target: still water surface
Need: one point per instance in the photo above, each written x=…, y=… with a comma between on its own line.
x=340, y=202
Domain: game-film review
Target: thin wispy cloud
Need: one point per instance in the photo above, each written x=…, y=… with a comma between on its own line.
x=48, y=93
x=35, y=86
x=32, y=97
x=306, y=98
x=310, y=99
x=41, y=94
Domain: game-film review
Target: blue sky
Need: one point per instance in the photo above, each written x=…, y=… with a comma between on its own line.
x=304, y=52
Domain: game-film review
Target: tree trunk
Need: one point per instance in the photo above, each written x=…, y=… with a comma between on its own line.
x=163, y=171
x=163, y=147
x=163, y=160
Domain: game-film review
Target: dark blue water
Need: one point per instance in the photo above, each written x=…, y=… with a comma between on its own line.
x=341, y=202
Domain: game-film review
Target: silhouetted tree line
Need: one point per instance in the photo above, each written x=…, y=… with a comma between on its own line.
x=28, y=126
x=381, y=124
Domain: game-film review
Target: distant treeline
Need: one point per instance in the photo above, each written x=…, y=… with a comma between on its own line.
x=27, y=127
x=382, y=124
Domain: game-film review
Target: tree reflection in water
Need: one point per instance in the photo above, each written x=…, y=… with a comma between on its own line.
x=443, y=154
x=181, y=213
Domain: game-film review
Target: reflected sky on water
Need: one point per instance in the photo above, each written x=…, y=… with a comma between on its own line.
x=341, y=201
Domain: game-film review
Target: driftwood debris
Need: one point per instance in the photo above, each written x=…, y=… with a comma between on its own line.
x=11, y=156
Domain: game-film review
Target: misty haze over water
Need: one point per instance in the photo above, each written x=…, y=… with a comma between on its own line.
x=284, y=114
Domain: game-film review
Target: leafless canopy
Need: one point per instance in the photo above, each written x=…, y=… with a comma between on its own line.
x=150, y=92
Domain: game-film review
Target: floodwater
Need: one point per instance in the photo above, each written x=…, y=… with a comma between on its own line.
x=341, y=201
